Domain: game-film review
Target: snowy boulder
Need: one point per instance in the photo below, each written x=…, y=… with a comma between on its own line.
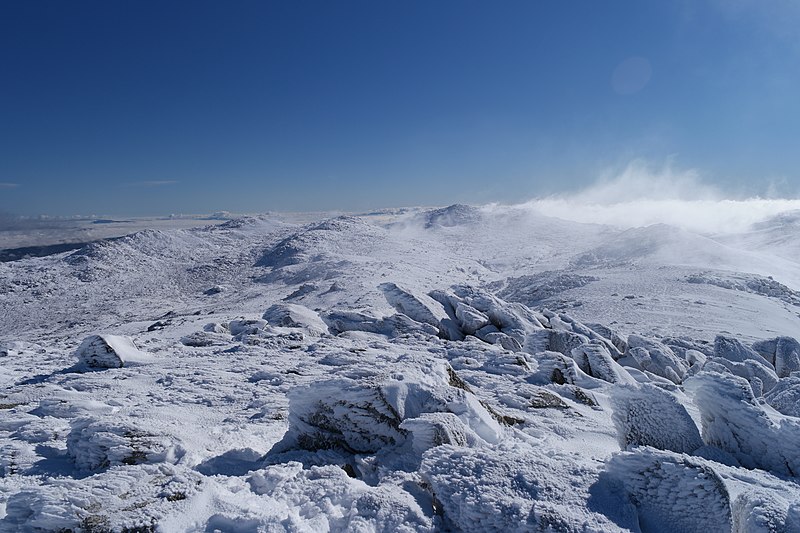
x=199, y=339
x=733, y=350
x=470, y=319
x=504, y=315
x=649, y=416
x=785, y=396
x=340, y=321
x=734, y=421
x=507, y=342
x=366, y=415
x=108, y=351
x=762, y=511
x=672, y=492
x=321, y=499
x=611, y=335
x=416, y=305
x=595, y=359
x=555, y=367
x=98, y=444
x=295, y=316
x=655, y=357
x=437, y=429
x=760, y=375
x=508, y=489
x=592, y=334
x=565, y=341
x=243, y=326
x=782, y=352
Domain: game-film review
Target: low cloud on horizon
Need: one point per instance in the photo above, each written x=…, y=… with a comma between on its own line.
x=642, y=195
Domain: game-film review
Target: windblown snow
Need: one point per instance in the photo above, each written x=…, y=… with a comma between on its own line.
x=455, y=369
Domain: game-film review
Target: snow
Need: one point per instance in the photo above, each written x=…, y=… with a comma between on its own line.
x=455, y=369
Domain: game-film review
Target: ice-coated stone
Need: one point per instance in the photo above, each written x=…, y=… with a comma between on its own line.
x=415, y=304
x=436, y=429
x=672, y=492
x=506, y=490
x=97, y=444
x=398, y=324
x=108, y=351
x=782, y=352
x=653, y=356
x=649, y=416
x=732, y=420
x=365, y=416
x=470, y=319
x=785, y=396
x=733, y=350
x=760, y=375
x=288, y=315
x=245, y=326
x=595, y=359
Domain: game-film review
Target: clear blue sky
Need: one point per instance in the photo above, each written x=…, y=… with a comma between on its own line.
x=135, y=108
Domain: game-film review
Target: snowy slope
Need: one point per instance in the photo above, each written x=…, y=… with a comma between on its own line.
x=449, y=369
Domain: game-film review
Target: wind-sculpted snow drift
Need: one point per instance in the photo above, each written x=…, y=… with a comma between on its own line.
x=356, y=375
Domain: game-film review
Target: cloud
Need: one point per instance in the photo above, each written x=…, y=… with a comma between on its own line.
x=6, y=185
x=152, y=183
x=641, y=195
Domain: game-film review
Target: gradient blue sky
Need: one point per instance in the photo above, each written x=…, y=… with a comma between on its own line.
x=134, y=108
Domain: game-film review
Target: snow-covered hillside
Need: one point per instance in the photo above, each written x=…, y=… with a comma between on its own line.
x=453, y=369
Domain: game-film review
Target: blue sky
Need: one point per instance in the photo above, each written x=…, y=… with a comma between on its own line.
x=139, y=108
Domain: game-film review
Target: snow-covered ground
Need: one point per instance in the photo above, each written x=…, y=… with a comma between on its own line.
x=454, y=369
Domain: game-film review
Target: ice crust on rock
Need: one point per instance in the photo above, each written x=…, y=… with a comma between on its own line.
x=649, y=416
x=782, y=352
x=99, y=444
x=289, y=315
x=108, y=351
x=734, y=421
x=673, y=492
x=292, y=496
x=785, y=396
x=517, y=492
x=653, y=356
x=366, y=416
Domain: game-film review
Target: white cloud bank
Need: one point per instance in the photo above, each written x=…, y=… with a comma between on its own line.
x=642, y=195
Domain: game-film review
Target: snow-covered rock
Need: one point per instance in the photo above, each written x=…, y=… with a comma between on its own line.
x=673, y=492
x=507, y=490
x=595, y=359
x=782, y=352
x=653, y=356
x=416, y=305
x=246, y=326
x=99, y=444
x=109, y=351
x=785, y=396
x=733, y=421
x=366, y=416
x=340, y=321
x=295, y=316
x=760, y=375
x=470, y=319
x=733, y=350
x=649, y=416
